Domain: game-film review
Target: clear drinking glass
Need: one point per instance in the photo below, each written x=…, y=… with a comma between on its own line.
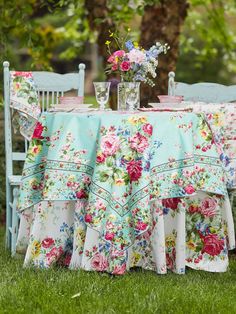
x=102, y=93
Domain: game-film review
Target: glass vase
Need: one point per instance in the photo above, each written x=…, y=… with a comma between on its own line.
x=128, y=96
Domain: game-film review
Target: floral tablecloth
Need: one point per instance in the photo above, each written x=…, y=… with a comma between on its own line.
x=222, y=120
x=24, y=100
x=111, y=191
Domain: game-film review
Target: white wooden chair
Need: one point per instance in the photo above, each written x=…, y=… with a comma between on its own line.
x=205, y=92
x=49, y=87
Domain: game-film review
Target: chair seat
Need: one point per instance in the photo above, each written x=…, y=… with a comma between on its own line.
x=15, y=180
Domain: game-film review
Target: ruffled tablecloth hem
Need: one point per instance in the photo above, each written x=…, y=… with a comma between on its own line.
x=56, y=235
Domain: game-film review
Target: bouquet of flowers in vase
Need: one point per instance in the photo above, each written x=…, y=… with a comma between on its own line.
x=132, y=62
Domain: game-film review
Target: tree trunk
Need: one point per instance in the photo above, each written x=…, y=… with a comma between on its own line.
x=162, y=22
x=97, y=12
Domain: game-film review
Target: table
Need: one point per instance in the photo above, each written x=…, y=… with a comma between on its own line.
x=111, y=191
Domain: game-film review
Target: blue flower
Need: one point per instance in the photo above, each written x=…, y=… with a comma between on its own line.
x=71, y=195
x=68, y=245
x=129, y=45
x=147, y=166
x=221, y=157
x=227, y=161
x=202, y=227
x=157, y=144
x=63, y=227
x=41, y=264
x=165, y=210
x=139, y=77
x=152, y=52
x=127, y=132
x=231, y=171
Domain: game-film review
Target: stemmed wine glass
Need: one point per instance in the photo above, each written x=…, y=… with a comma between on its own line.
x=102, y=93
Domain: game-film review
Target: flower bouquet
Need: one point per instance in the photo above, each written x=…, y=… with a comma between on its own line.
x=132, y=62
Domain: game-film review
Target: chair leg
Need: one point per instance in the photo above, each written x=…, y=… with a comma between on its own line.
x=8, y=215
x=15, y=221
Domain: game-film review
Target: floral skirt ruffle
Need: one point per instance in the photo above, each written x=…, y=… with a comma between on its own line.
x=196, y=232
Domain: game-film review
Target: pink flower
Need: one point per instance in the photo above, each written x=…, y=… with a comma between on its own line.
x=171, y=203
x=114, y=67
x=169, y=261
x=134, y=169
x=147, y=128
x=189, y=189
x=212, y=244
x=35, y=149
x=125, y=66
x=119, y=270
x=110, y=144
x=88, y=218
x=67, y=260
x=111, y=59
x=193, y=209
x=208, y=207
x=136, y=56
x=180, y=182
x=18, y=85
x=34, y=187
x=141, y=225
x=114, y=253
x=99, y=262
x=38, y=131
x=99, y=205
x=81, y=194
x=187, y=173
x=119, y=53
x=100, y=158
x=109, y=225
x=54, y=254
x=109, y=236
x=139, y=142
x=47, y=242
x=204, y=133
x=24, y=74
x=86, y=180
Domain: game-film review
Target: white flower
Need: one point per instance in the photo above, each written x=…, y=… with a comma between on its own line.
x=136, y=55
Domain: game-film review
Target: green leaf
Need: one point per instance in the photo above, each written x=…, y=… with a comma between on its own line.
x=103, y=176
x=109, y=161
x=126, y=178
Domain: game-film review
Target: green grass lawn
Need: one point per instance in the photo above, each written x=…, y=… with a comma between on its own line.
x=52, y=291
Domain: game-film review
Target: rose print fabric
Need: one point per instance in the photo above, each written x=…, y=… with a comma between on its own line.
x=195, y=232
x=222, y=120
x=24, y=99
x=103, y=192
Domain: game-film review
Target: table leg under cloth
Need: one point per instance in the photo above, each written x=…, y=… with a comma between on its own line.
x=196, y=232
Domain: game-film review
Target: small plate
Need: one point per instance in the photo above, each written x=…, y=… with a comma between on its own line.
x=170, y=99
x=69, y=100
x=166, y=109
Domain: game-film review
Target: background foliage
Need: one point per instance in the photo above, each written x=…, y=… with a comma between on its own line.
x=35, y=32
